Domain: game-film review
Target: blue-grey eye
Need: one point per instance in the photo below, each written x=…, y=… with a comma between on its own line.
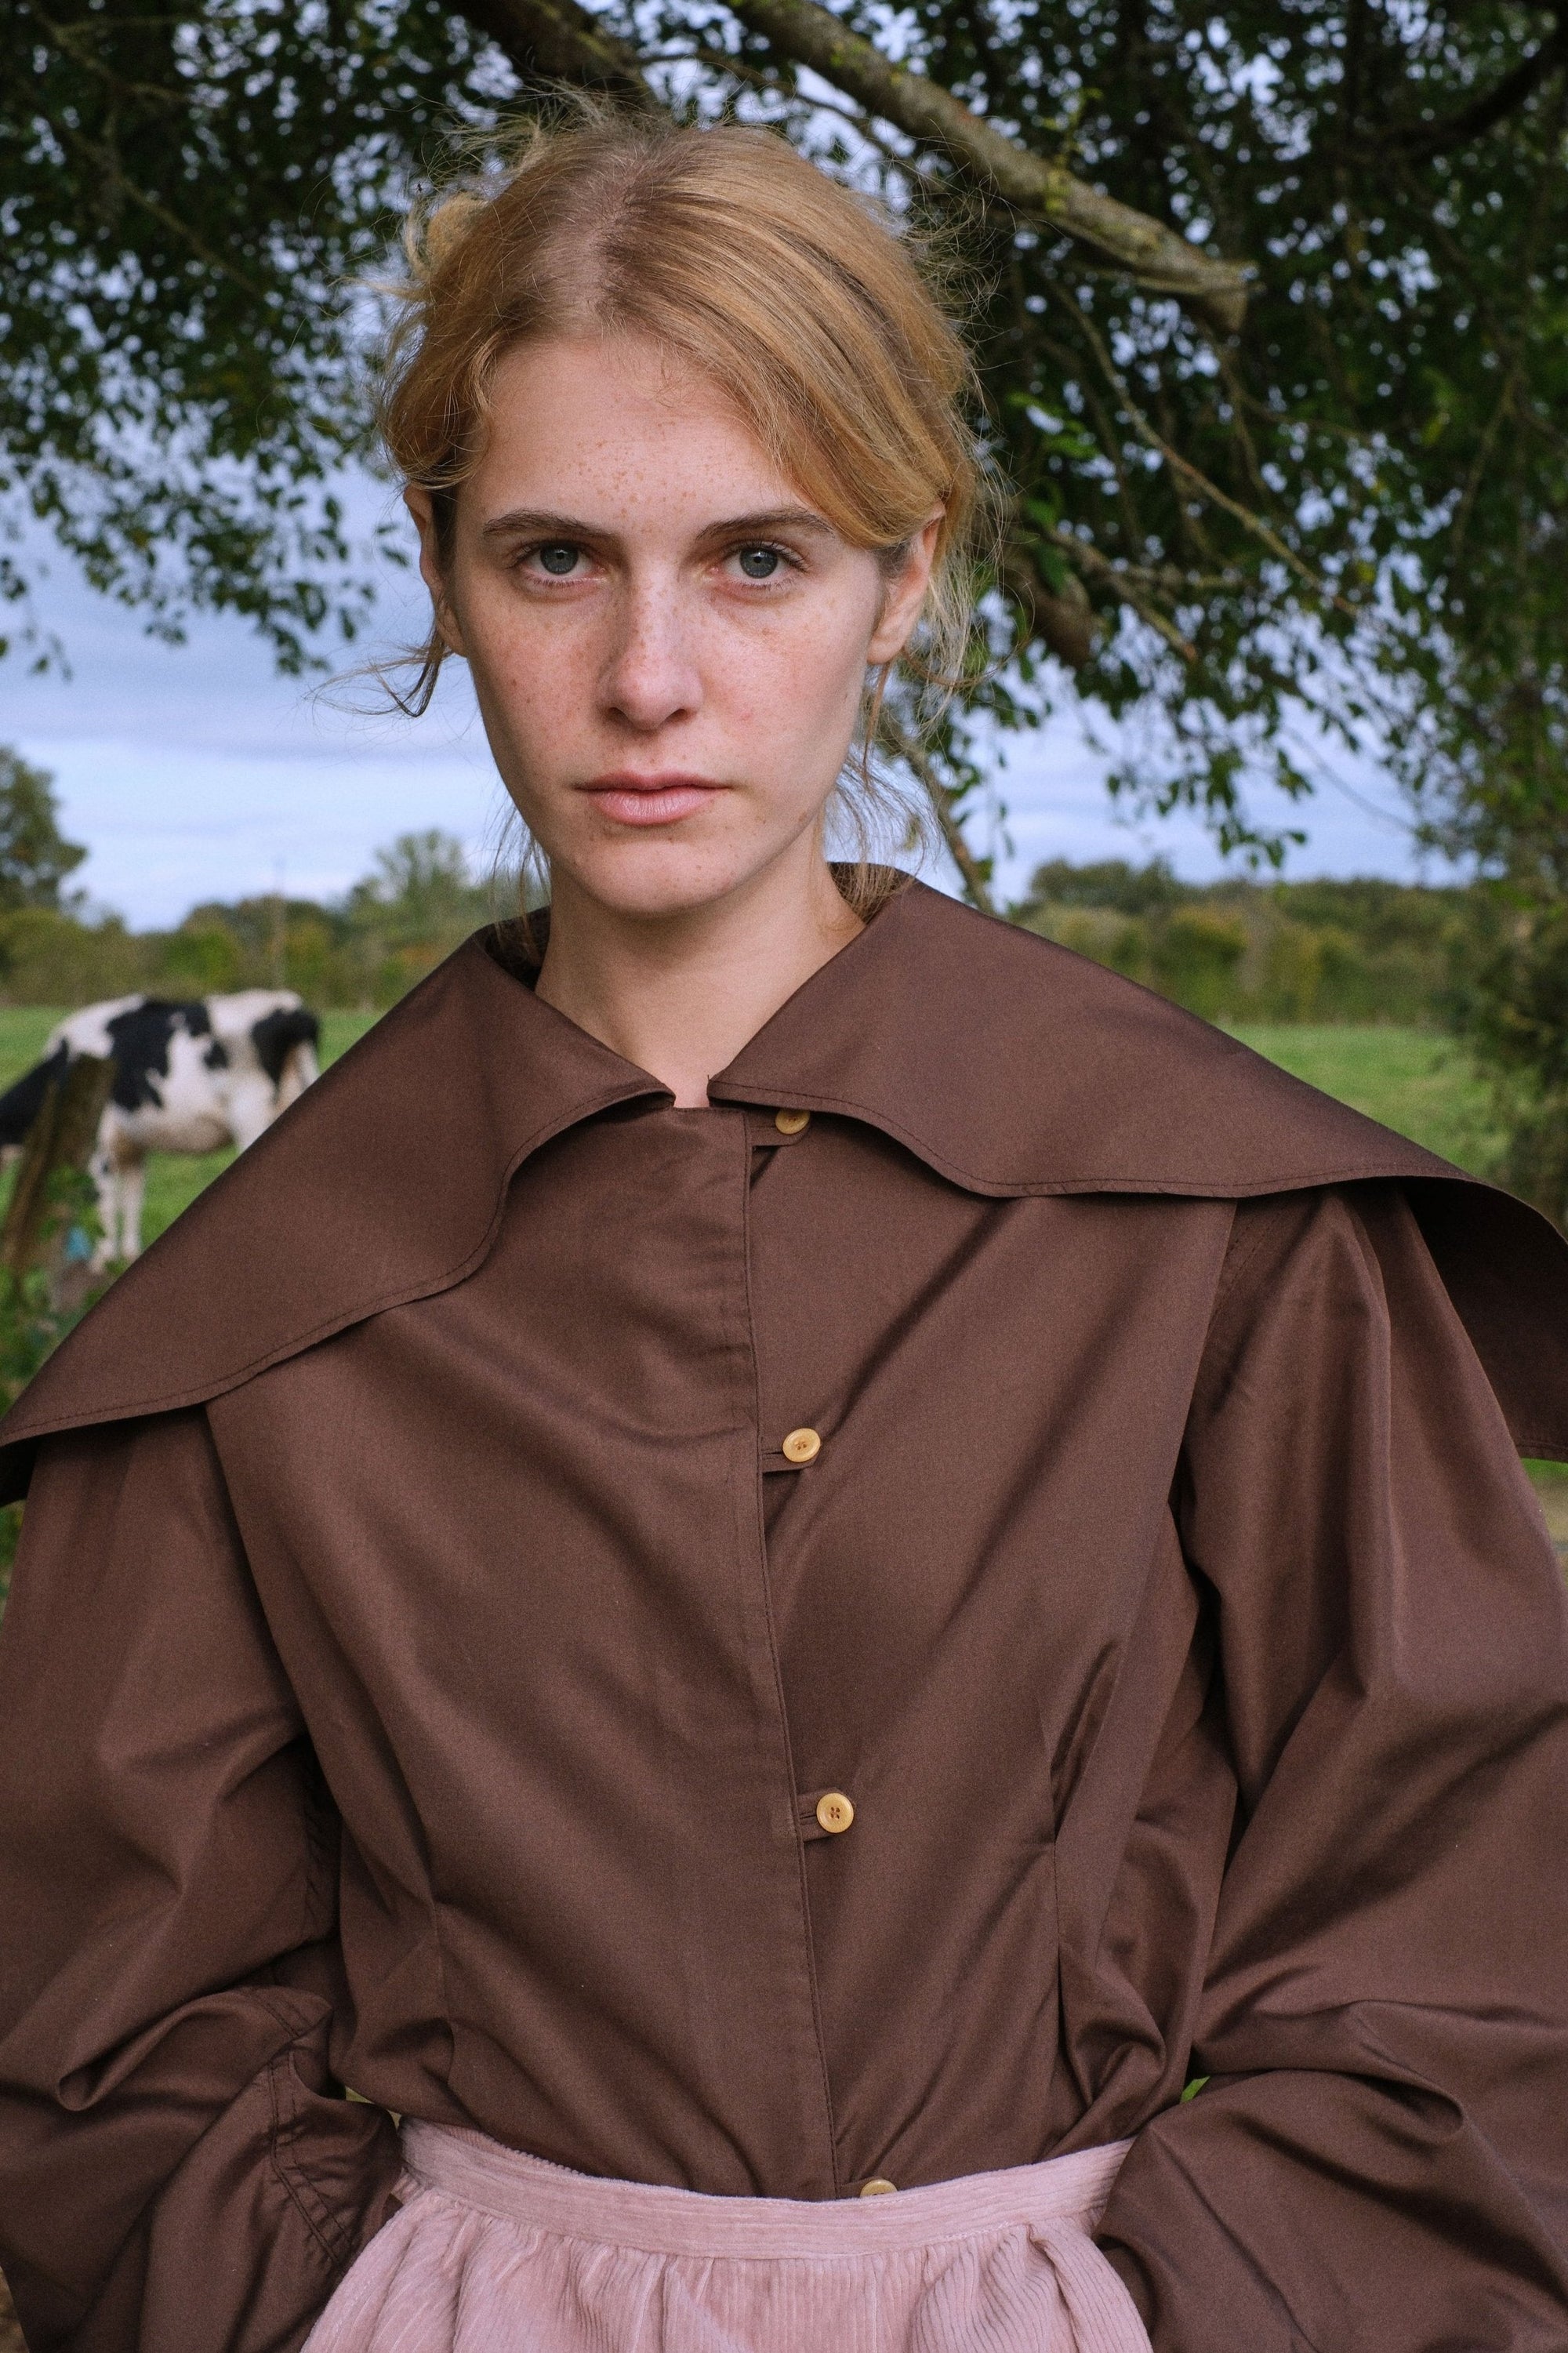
x=758, y=563
x=558, y=560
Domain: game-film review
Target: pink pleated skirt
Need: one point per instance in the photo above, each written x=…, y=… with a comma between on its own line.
x=498, y=2252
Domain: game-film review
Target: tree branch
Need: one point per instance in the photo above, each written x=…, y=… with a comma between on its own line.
x=1256, y=525
x=1116, y=578
x=769, y=79
x=810, y=35
x=113, y=180
x=1064, y=620
x=558, y=40
x=1421, y=141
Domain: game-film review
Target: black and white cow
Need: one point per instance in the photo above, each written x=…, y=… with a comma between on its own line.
x=189, y=1077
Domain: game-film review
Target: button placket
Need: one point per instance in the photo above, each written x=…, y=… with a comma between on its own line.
x=800, y=2027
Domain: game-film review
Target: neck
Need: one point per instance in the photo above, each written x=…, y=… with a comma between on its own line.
x=680, y=994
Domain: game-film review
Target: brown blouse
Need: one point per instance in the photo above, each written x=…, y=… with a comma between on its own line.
x=437, y=1633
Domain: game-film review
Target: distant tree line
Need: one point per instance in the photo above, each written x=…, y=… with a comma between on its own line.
x=363, y=951
x=360, y=952
x=1244, y=950
x=1235, y=950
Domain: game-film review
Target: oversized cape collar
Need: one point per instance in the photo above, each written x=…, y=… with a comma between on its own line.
x=1008, y=1064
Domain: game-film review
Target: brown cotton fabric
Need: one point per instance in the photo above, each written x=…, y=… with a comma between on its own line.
x=425, y=1660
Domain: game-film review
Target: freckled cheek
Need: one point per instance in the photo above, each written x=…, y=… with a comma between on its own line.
x=792, y=681
x=538, y=686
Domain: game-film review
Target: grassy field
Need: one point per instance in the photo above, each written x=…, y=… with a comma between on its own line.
x=1421, y=1084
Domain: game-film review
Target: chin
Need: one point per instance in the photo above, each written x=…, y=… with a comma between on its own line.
x=654, y=879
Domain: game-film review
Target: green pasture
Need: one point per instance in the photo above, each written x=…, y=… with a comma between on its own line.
x=1422, y=1084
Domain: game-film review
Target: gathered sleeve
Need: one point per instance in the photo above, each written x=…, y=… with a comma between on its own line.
x=178, y=2171
x=1378, y=2162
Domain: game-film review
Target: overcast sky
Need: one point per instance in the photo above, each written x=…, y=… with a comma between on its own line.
x=196, y=773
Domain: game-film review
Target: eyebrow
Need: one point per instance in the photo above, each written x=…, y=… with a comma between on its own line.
x=534, y=524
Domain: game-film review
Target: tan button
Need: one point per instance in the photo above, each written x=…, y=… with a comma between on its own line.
x=792, y=1123
x=834, y=1811
x=802, y=1446
x=878, y=2187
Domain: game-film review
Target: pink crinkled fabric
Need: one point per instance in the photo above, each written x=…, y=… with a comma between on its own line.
x=494, y=2252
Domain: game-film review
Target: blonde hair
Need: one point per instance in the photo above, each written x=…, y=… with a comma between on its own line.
x=791, y=294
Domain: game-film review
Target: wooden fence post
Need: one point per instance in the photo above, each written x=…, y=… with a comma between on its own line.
x=61, y=1138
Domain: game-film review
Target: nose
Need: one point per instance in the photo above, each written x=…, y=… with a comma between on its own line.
x=651, y=675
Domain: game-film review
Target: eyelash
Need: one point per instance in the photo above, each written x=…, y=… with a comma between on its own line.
x=526, y=556
x=786, y=555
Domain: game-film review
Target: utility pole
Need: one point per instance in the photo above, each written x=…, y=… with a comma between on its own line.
x=280, y=929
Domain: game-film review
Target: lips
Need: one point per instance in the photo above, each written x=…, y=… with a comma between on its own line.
x=650, y=800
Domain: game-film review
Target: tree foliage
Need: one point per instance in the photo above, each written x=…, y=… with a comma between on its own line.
x=419, y=890
x=418, y=902
x=1245, y=949
x=1269, y=299
x=35, y=856
x=363, y=950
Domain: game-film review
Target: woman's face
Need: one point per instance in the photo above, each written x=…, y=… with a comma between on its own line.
x=668, y=646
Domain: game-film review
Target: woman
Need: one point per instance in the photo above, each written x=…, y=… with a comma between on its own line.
x=785, y=1561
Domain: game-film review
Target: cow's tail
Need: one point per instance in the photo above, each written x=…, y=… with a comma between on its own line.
x=20, y=1104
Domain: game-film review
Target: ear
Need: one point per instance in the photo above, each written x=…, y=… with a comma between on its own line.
x=421, y=507
x=904, y=595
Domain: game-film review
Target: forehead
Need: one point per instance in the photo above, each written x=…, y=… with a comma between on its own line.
x=618, y=427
